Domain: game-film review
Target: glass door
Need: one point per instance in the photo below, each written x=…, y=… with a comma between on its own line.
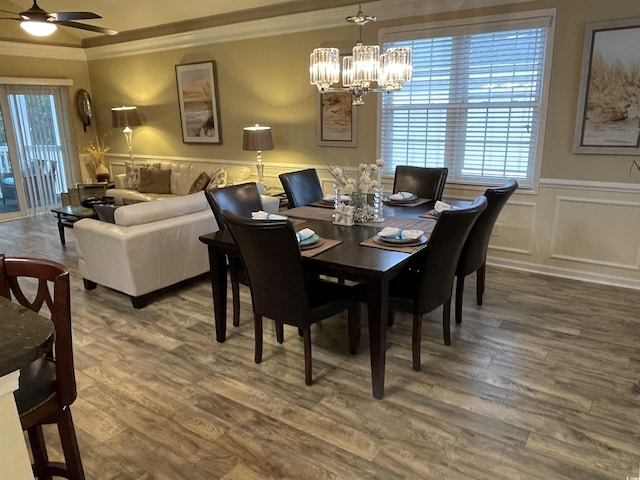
x=10, y=206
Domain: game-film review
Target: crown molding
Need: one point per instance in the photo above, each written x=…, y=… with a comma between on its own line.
x=18, y=49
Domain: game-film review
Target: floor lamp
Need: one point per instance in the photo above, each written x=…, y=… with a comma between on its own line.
x=125, y=118
x=256, y=139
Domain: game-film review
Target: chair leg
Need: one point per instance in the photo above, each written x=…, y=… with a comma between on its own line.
x=69, y=443
x=235, y=292
x=39, y=452
x=279, y=332
x=307, y=356
x=354, y=323
x=459, y=295
x=257, y=322
x=480, y=274
x=415, y=340
x=446, y=321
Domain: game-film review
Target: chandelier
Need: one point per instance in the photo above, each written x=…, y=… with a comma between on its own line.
x=390, y=70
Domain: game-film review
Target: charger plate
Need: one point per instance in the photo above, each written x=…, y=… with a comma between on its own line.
x=400, y=242
x=311, y=242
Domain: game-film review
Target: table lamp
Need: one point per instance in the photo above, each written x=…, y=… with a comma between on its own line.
x=125, y=118
x=256, y=139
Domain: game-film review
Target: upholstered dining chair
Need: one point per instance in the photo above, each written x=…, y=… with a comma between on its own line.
x=474, y=254
x=302, y=187
x=428, y=283
x=240, y=199
x=422, y=182
x=47, y=387
x=280, y=290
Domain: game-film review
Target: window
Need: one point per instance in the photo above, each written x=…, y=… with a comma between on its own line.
x=475, y=103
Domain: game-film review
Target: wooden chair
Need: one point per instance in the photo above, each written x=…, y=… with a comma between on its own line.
x=423, y=182
x=279, y=288
x=302, y=187
x=428, y=283
x=242, y=200
x=47, y=387
x=474, y=254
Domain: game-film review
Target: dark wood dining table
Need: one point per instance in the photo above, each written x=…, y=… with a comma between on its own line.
x=373, y=267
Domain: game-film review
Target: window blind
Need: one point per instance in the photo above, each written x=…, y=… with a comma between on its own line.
x=473, y=105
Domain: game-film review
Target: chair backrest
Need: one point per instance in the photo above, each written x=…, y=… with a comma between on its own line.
x=302, y=187
x=271, y=257
x=29, y=281
x=423, y=182
x=442, y=253
x=240, y=199
x=474, y=253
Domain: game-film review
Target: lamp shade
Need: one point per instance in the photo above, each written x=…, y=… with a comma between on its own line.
x=257, y=138
x=122, y=117
x=38, y=29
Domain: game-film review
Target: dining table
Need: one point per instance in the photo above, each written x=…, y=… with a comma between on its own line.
x=24, y=336
x=352, y=255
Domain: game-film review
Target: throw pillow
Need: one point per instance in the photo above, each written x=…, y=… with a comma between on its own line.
x=155, y=181
x=133, y=172
x=105, y=212
x=219, y=179
x=200, y=183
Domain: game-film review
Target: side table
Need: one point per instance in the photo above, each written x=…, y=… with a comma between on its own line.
x=69, y=215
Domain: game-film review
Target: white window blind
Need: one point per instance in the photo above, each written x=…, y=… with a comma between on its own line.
x=474, y=103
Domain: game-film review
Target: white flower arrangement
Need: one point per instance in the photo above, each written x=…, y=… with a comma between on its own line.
x=360, y=187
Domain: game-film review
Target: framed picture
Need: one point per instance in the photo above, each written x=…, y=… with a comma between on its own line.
x=607, y=121
x=198, y=100
x=337, y=120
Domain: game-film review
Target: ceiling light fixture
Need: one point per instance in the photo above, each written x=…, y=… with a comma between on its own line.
x=390, y=70
x=37, y=28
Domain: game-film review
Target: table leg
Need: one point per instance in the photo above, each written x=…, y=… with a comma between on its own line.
x=218, y=274
x=61, y=230
x=377, y=303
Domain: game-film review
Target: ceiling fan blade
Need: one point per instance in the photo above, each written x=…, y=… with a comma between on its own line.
x=91, y=28
x=7, y=11
x=67, y=16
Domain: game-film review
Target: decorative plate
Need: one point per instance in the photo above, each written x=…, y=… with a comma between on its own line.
x=410, y=199
x=405, y=242
x=309, y=242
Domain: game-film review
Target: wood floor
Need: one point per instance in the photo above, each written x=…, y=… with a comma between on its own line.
x=537, y=384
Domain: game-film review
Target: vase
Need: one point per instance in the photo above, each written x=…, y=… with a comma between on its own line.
x=102, y=173
x=363, y=209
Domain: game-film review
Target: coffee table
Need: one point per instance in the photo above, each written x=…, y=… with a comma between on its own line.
x=67, y=216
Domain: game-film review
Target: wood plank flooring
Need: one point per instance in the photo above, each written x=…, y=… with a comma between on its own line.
x=537, y=384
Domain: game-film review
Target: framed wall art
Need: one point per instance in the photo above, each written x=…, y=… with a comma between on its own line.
x=198, y=100
x=607, y=121
x=337, y=120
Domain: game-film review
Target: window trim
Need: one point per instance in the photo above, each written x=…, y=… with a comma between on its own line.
x=488, y=23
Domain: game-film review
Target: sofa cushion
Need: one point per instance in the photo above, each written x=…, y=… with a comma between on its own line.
x=155, y=181
x=147, y=212
x=200, y=183
x=218, y=179
x=133, y=172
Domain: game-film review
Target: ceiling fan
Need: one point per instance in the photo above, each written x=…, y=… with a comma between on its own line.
x=40, y=23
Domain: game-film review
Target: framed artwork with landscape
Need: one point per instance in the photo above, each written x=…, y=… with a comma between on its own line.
x=608, y=117
x=337, y=120
x=198, y=101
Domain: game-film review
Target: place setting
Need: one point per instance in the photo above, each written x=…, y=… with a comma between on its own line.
x=403, y=199
x=311, y=244
x=398, y=239
x=437, y=209
x=328, y=201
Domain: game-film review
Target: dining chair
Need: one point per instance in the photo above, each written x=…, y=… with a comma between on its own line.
x=302, y=187
x=280, y=290
x=240, y=199
x=422, y=182
x=474, y=253
x=47, y=387
x=428, y=283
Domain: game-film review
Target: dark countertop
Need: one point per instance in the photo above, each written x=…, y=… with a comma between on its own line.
x=24, y=336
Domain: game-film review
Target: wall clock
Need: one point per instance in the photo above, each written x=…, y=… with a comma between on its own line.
x=85, y=109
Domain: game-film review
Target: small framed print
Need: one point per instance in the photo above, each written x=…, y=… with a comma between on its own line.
x=337, y=120
x=198, y=101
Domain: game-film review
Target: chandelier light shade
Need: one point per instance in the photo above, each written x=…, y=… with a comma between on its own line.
x=38, y=29
x=257, y=138
x=365, y=67
x=125, y=118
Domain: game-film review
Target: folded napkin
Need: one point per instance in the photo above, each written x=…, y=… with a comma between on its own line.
x=400, y=234
x=304, y=234
x=441, y=206
x=343, y=198
x=401, y=196
x=261, y=215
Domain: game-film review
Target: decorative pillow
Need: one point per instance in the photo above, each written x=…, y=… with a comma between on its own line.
x=105, y=212
x=155, y=181
x=200, y=183
x=219, y=179
x=131, y=201
x=133, y=172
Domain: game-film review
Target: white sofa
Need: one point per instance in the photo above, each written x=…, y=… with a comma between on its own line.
x=152, y=245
